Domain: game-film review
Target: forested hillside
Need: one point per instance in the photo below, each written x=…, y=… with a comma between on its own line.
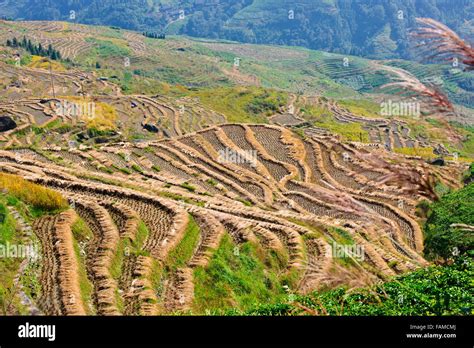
x=372, y=28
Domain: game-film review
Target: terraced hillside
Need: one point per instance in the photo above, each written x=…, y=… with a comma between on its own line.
x=154, y=215
x=164, y=176
x=148, y=86
x=118, y=117
x=129, y=58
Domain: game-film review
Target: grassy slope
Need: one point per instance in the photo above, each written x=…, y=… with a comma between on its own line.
x=242, y=104
x=31, y=201
x=239, y=277
x=454, y=208
x=81, y=234
x=8, y=266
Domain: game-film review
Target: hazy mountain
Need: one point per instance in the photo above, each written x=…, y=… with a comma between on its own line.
x=372, y=28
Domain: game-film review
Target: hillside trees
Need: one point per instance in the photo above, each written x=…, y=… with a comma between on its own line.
x=350, y=27
x=37, y=50
x=450, y=225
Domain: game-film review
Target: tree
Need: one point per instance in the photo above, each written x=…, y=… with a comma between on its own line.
x=450, y=225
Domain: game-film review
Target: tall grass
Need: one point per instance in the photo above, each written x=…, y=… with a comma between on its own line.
x=37, y=196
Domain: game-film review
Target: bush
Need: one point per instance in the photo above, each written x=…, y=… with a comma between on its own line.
x=137, y=168
x=441, y=237
x=436, y=290
x=188, y=186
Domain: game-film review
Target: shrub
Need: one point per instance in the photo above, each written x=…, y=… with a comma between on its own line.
x=435, y=290
x=441, y=237
x=137, y=168
x=188, y=186
x=125, y=171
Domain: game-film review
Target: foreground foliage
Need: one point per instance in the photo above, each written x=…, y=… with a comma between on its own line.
x=447, y=228
x=436, y=290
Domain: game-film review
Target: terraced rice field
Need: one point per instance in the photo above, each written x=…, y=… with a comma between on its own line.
x=157, y=194
x=139, y=210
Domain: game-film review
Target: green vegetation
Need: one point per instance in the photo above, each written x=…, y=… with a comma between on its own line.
x=8, y=266
x=37, y=50
x=348, y=131
x=82, y=234
x=245, y=202
x=361, y=107
x=178, y=197
x=154, y=35
x=239, y=277
x=442, y=239
x=423, y=152
x=3, y=214
x=39, y=197
x=211, y=182
x=370, y=30
x=314, y=112
x=242, y=104
x=467, y=145
x=123, y=170
x=435, y=290
x=179, y=256
x=188, y=186
x=436, y=130
x=110, y=48
x=265, y=103
x=137, y=168
x=340, y=236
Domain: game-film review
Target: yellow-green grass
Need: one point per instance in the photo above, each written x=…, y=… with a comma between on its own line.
x=82, y=233
x=361, y=107
x=102, y=117
x=45, y=63
x=182, y=253
x=8, y=266
x=239, y=276
x=242, y=104
x=423, y=152
x=32, y=194
x=348, y=131
x=177, y=257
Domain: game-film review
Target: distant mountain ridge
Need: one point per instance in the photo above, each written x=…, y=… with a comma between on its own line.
x=370, y=28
